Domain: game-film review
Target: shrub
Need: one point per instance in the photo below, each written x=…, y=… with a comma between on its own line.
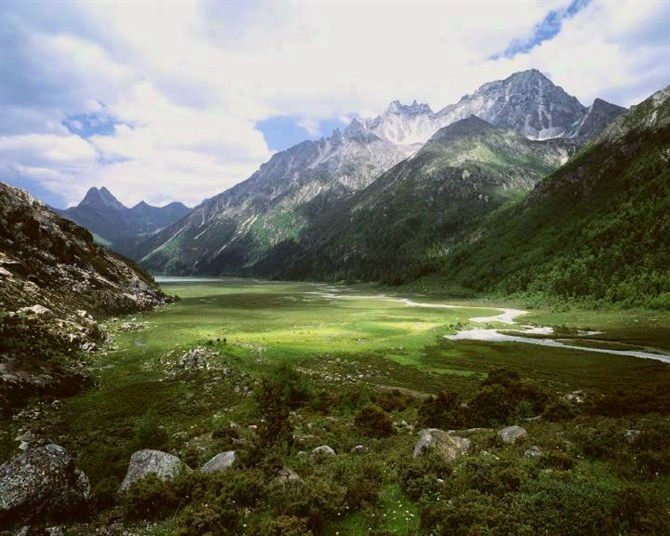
x=442, y=411
x=393, y=400
x=558, y=410
x=148, y=434
x=283, y=526
x=149, y=498
x=208, y=519
x=373, y=421
x=315, y=499
x=275, y=428
x=419, y=476
x=555, y=459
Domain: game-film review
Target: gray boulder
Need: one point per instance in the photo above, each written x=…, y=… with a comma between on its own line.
x=533, y=452
x=322, y=451
x=448, y=446
x=287, y=476
x=511, y=434
x=42, y=484
x=152, y=462
x=220, y=462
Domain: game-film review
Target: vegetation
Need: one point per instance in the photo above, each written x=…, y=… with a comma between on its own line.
x=299, y=369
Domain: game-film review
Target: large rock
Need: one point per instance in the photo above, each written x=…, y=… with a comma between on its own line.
x=220, y=462
x=448, y=446
x=512, y=434
x=152, y=462
x=42, y=484
x=322, y=451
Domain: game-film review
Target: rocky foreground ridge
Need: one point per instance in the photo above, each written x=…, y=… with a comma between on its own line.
x=55, y=283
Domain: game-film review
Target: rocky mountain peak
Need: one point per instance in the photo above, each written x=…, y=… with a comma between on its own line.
x=465, y=127
x=101, y=197
x=396, y=107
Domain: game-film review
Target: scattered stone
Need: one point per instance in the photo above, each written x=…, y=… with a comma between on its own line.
x=359, y=449
x=323, y=450
x=42, y=484
x=449, y=446
x=533, y=452
x=89, y=346
x=631, y=435
x=145, y=462
x=511, y=434
x=287, y=476
x=220, y=462
x=576, y=396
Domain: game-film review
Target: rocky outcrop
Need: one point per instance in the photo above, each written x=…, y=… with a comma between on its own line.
x=511, y=434
x=221, y=462
x=448, y=446
x=54, y=281
x=152, y=462
x=42, y=484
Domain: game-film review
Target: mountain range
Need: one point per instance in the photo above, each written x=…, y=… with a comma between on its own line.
x=118, y=226
x=279, y=206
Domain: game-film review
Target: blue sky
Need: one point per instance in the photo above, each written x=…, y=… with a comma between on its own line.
x=182, y=109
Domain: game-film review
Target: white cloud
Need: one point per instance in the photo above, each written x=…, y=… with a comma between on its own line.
x=187, y=81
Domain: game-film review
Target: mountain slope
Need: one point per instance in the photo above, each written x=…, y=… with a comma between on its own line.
x=234, y=230
x=422, y=204
x=599, y=227
x=53, y=278
x=113, y=223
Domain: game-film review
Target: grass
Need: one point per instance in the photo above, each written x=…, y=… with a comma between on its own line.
x=366, y=342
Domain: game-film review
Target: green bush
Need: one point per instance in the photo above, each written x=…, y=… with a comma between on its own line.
x=148, y=433
x=558, y=410
x=373, y=421
x=149, y=498
x=283, y=526
x=442, y=411
x=316, y=500
x=275, y=427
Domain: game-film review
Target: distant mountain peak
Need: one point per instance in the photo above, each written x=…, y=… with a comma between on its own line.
x=101, y=197
x=396, y=107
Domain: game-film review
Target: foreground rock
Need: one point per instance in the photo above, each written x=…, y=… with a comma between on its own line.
x=220, y=462
x=449, y=447
x=42, y=484
x=512, y=434
x=152, y=462
x=322, y=451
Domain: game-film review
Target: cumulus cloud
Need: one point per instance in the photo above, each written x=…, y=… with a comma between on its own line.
x=91, y=94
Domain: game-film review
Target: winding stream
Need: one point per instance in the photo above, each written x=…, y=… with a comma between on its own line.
x=506, y=316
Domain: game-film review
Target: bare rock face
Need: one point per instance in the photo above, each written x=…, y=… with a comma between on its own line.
x=152, y=462
x=449, y=446
x=221, y=462
x=512, y=434
x=42, y=484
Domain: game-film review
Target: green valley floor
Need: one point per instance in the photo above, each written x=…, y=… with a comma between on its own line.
x=352, y=367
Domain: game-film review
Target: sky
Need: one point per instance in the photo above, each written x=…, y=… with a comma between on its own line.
x=163, y=101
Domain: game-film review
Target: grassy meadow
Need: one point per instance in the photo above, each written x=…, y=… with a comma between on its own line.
x=342, y=354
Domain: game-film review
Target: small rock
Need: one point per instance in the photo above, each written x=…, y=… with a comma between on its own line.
x=145, y=462
x=511, y=434
x=449, y=446
x=323, y=450
x=286, y=475
x=631, y=435
x=533, y=452
x=220, y=462
x=359, y=449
